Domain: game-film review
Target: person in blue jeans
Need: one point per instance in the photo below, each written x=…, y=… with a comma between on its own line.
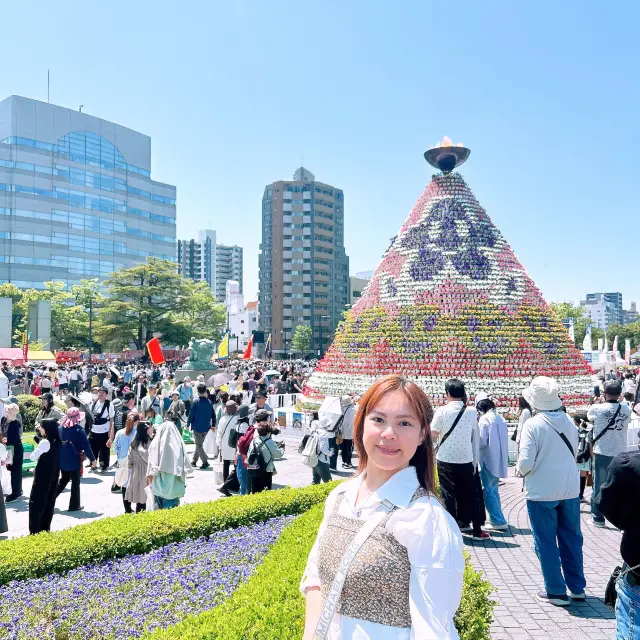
x=547, y=461
x=494, y=452
x=619, y=502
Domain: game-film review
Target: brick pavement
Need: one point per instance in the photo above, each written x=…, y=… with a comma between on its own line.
x=509, y=562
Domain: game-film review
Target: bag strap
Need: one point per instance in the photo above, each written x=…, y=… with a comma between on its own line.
x=455, y=424
x=333, y=597
x=608, y=427
x=566, y=441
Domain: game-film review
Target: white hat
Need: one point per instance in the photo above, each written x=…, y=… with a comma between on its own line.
x=542, y=394
x=482, y=396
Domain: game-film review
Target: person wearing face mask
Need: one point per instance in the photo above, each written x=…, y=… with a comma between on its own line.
x=48, y=409
x=42, y=499
x=388, y=560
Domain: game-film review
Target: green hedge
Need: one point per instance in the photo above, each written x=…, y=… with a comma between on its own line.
x=60, y=551
x=29, y=407
x=269, y=606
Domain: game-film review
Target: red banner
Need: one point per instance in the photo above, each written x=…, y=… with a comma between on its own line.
x=155, y=351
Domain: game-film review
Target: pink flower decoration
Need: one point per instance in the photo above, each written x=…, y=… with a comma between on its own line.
x=450, y=297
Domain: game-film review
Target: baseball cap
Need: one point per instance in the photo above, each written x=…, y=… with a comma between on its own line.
x=612, y=387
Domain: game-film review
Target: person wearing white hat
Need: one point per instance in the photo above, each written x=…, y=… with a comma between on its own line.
x=547, y=461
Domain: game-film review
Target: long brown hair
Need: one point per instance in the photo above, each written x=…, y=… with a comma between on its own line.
x=423, y=458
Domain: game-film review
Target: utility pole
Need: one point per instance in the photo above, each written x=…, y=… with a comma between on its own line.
x=90, y=329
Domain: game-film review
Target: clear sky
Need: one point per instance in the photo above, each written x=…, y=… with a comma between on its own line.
x=235, y=93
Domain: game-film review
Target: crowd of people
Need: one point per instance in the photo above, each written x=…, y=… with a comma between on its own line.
x=140, y=415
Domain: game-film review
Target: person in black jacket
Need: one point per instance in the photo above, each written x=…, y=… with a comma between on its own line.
x=619, y=502
x=45, y=477
x=74, y=442
x=11, y=426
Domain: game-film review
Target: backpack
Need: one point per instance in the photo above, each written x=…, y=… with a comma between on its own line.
x=256, y=462
x=584, y=451
x=310, y=451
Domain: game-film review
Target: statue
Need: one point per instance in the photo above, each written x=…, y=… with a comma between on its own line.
x=200, y=354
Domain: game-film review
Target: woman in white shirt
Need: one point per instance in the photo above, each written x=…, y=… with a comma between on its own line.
x=525, y=414
x=405, y=580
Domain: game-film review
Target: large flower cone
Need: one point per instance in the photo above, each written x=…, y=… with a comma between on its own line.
x=450, y=299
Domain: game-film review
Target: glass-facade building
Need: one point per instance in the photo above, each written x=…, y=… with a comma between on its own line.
x=76, y=196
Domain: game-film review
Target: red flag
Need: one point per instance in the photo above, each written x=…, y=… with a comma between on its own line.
x=247, y=353
x=155, y=351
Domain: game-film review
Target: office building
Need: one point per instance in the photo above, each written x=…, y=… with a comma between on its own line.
x=630, y=315
x=202, y=259
x=604, y=309
x=304, y=271
x=228, y=267
x=357, y=285
x=76, y=196
x=242, y=320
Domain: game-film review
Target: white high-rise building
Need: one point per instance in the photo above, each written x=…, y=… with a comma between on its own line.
x=202, y=259
x=242, y=319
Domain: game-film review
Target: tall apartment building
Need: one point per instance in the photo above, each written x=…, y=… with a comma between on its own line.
x=202, y=259
x=229, y=268
x=76, y=196
x=304, y=271
x=603, y=309
x=197, y=258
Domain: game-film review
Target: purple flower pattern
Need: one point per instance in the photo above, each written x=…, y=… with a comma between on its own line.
x=126, y=597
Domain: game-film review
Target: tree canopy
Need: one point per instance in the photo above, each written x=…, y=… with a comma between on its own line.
x=152, y=299
x=565, y=310
x=130, y=308
x=301, y=341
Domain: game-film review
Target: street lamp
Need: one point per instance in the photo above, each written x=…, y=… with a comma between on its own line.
x=83, y=302
x=284, y=337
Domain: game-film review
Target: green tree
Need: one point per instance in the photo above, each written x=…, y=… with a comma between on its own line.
x=153, y=299
x=301, y=341
x=565, y=310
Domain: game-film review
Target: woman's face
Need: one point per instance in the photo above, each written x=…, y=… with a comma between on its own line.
x=392, y=432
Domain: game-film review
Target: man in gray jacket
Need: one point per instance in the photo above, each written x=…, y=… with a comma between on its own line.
x=547, y=461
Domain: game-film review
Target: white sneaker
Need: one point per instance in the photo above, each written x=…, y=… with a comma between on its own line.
x=496, y=527
x=578, y=596
x=598, y=523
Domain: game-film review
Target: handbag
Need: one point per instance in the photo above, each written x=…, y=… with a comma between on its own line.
x=209, y=444
x=331, y=602
x=122, y=474
x=5, y=480
x=151, y=499
x=610, y=593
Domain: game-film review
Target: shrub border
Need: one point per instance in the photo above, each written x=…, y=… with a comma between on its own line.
x=269, y=605
x=128, y=534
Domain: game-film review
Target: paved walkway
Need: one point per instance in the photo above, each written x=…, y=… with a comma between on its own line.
x=510, y=564
x=99, y=502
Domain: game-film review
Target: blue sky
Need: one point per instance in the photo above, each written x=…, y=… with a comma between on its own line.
x=234, y=93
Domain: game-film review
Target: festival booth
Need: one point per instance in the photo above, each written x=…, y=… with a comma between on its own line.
x=12, y=354
x=451, y=299
x=67, y=357
x=44, y=357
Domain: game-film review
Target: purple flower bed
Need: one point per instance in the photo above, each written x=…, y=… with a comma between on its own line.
x=126, y=597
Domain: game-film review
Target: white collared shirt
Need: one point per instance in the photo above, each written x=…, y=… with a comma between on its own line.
x=463, y=445
x=435, y=549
